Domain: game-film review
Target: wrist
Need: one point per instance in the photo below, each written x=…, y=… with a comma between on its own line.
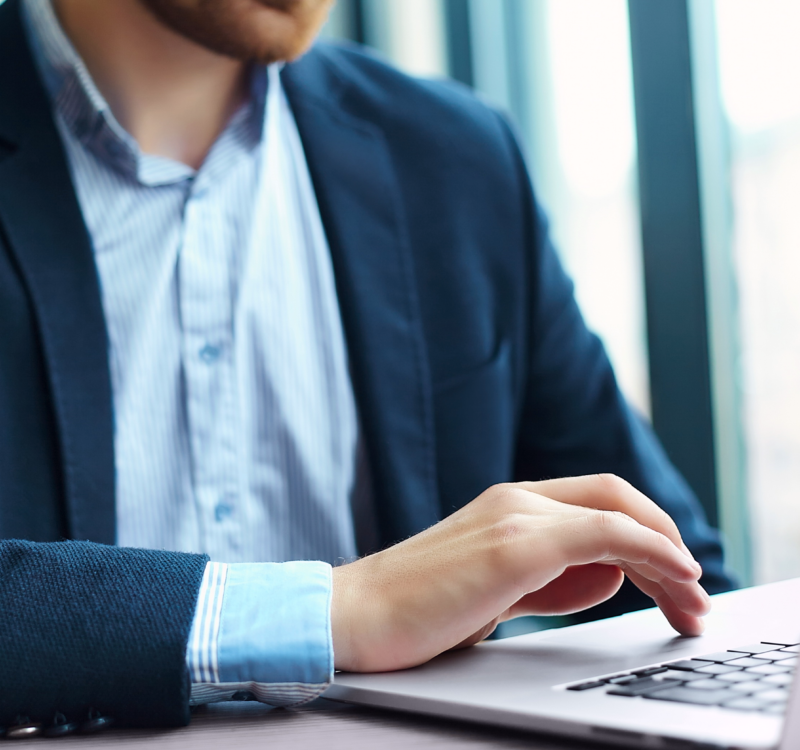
x=341, y=620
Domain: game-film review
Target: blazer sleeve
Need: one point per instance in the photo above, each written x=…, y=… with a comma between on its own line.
x=86, y=626
x=575, y=420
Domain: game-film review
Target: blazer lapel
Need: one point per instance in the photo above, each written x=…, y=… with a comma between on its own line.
x=361, y=208
x=41, y=219
x=362, y=211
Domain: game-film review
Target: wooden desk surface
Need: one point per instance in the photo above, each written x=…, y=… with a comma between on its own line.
x=323, y=725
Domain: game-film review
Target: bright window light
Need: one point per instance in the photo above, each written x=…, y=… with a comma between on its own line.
x=759, y=62
x=593, y=102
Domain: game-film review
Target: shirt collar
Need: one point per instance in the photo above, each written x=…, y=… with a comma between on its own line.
x=88, y=117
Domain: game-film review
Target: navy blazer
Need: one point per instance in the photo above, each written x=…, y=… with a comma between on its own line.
x=470, y=361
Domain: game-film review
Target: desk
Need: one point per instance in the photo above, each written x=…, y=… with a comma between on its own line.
x=323, y=725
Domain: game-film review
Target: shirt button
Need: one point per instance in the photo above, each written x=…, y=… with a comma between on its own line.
x=222, y=511
x=209, y=353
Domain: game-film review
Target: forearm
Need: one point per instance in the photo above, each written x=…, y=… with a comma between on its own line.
x=86, y=626
x=137, y=634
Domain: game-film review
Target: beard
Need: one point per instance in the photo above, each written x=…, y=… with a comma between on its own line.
x=259, y=31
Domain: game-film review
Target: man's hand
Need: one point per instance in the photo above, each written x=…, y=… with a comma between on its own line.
x=540, y=548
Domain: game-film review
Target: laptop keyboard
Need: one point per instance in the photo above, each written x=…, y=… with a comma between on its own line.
x=756, y=677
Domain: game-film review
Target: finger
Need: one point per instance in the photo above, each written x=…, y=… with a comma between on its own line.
x=681, y=621
x=611, y=537
x=683, y=616
x=609, y=492
x=689, y=597
x=652, y=574
x=576, y=589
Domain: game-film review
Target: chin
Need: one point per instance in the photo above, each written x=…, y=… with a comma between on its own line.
x=263, y=31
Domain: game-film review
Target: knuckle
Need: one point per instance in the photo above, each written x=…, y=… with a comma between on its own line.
x=609, y=520
x=505, y=536
x=662, y=542
x=496, y=492
x=509, y=529
x=666, y=519
x=504, y=498
x=669, y=522
x=612, y=483
x=655, y=547
x=505, y=491
x=490, y=499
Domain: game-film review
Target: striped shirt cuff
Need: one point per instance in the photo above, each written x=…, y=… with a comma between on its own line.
x=263, y=628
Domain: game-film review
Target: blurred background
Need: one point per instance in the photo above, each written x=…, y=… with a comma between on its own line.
x=664, y=141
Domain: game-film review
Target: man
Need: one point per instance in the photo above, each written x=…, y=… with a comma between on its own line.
x=275, y=314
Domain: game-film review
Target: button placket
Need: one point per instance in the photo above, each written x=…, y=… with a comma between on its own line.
x=206, y=304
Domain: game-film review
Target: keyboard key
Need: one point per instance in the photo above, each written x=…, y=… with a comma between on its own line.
x=748, y=661
x=686, y=665
x=734, y=677
x=741, y=678
x=723, y=669
x=755, y=648
x=621, y=679
x=776, y=655
x=719, y=658
x=586, y=686
x=746, y=704
x=706, y=685
x=640, y=687
x=782, y=644
x=674, y=674
x=649, y=672
x=751, y=687
x=769, y=669
x=687, y=695
x=779, y=679
x=775, y=709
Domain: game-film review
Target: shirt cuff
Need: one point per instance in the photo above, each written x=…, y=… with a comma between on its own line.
x=264, y=629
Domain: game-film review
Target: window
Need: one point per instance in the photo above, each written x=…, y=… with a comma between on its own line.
x=759, y=61
x=584, y=163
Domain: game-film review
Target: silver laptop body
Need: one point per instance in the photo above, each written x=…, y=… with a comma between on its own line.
x=529, y=681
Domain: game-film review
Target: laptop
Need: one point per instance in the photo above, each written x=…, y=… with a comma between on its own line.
x=626, y=681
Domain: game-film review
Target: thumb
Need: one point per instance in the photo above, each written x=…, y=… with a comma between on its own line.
x=578, y=587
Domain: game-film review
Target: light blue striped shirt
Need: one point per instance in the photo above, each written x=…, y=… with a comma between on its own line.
x=235, y=423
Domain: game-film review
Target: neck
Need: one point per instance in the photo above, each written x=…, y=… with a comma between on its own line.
x=172, y=95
